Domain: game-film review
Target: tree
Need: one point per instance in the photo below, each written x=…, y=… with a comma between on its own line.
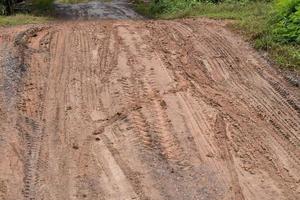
x=8, y=6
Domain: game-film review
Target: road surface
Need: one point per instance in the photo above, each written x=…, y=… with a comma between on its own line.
x=122, y=109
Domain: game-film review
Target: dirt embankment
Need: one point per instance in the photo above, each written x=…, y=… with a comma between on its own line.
x=143, y=110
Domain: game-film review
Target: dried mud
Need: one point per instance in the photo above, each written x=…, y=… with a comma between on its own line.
x=143, y=110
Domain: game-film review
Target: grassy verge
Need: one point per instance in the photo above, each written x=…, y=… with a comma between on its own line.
x=250, y=19
x=21, y=19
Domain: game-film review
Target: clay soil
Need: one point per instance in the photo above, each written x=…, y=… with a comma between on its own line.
x=123, y=109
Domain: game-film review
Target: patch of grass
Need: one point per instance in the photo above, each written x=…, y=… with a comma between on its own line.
x=251, y=19
x=143, y=8
x=21, y=19
x=227, y=10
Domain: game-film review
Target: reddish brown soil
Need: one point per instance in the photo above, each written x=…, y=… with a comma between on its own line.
x=143, y=110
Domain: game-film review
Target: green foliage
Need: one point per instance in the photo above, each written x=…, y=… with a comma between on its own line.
x=19, y=13
x=226, y=10
x=286, y=21
x=7, y=7
x=170, y=6
x=10, y=7
x=42, y=6
x=143, y=8
x=2, y=8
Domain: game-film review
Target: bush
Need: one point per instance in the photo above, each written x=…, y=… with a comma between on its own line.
x=2, y=9
x=286, y=23
x=42, y=6
x=11, y=7
x=6, y=7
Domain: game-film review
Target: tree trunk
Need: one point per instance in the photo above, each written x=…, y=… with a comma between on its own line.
x=8, y=4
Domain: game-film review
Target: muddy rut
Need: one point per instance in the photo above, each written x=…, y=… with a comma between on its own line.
x=143, y=110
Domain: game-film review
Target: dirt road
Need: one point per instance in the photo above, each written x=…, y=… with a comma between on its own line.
x=103, y=9
x=120, y=110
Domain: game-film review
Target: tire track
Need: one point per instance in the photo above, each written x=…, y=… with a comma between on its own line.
x=178, y=109
x=211, y=45
x=32, y=135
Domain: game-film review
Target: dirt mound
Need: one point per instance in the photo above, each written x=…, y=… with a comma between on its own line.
x=144, y=110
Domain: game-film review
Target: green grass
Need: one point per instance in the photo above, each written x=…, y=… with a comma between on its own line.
x=21, y=19
x=249, y=19
x=142, y=8
x=225, y=10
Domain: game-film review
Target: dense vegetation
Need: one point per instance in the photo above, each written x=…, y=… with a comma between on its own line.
x=287, y=21
x=10, y=7
x=272, y=26
x=15, y=12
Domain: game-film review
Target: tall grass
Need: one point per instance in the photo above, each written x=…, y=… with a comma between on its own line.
x=171, y=6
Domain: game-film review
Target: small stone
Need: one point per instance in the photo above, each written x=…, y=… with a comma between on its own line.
x=98, y=131
x=163, y=104
x=75, y=146
x=210, y=155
